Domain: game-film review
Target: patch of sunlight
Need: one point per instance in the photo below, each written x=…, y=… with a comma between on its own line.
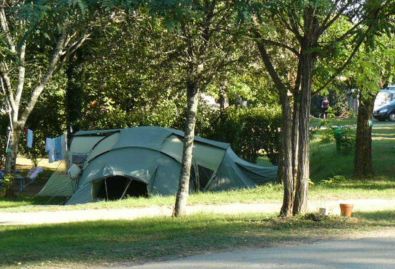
x=379, y=138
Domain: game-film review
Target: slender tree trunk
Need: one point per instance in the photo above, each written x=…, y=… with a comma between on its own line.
x=74, y=94
x=223, y=97
x=287, y=157
x=363, y=149
x=12, y=153
x=189, y=136
x=303, y=170
x=295, y=136
x=12, y=150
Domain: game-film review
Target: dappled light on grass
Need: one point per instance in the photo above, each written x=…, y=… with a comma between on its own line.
x=148, y=239
x=385, y=218
x=384, y=138
x=327, y=163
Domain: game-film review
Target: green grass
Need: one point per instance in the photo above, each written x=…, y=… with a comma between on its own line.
x=327, y=163
x=326, y=166
x=270, y=192
x=337, y=188
x=316, y=122
x=103, y=242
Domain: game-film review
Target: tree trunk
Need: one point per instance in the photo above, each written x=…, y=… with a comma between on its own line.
x=189, y=136
x=11, y=156
x=287, y=157
x=223, y=97
x=295, y=135
x=363, y=149
x=303, y=169
x=12, y=150
x=74, y=94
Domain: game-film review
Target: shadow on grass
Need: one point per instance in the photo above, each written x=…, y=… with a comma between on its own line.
x=149, y=239
x=381, y=218
x=362, y=185
x=24, y=200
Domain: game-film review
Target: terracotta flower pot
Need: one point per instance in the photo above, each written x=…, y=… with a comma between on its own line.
x=346, y=210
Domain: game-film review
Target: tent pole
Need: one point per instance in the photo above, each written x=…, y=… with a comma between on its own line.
x=127, y=186
x=105, y=187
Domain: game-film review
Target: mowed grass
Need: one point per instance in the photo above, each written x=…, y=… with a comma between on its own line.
x=337, y=188
x=331, y=175
x=106, y=242
x=327, y=163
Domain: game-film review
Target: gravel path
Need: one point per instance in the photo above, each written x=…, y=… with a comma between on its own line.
x=47, y=217
x=363, y=253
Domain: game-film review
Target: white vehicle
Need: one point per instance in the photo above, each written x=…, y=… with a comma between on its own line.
x=384, y=97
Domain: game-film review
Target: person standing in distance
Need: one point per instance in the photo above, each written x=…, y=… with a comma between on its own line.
x=325, y=107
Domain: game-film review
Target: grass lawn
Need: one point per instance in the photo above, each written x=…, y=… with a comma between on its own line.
x=336, y=188
x=316, y=122
x=93, y=243
x=327, y=163
x=326, y=166
x=78, y=245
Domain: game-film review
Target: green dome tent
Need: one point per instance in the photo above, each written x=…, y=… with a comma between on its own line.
x=147, y=160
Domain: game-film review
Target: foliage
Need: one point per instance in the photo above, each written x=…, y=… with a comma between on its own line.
x=326, y=162
x=373, y=68
x=335, y=180
x=249, y=131
x=6, y=183
x=327, y=136
x=345, y=139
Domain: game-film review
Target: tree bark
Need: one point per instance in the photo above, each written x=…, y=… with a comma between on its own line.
x=287, y=157
x=12, y=150
x=295, y=135
x=11, y=156
x=189, y=136
x=363, y=166
x=303, y=168
x=223, y=97
x=74, y=93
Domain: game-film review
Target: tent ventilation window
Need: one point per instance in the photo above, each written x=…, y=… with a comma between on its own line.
x=117, y=187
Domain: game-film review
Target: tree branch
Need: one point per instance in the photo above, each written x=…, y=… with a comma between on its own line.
x=7, y=85
x=295, y=26
x=268, y=63
x=74, y=47
x=298, y=77
x=333, y=9
x=342, y=67
x=329, y=22
x=9, y=109
x=347, y=34
x=21, y=74
x=51, y=68
x=278, y=44
x=6, y=30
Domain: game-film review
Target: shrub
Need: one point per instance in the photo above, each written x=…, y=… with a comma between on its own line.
x=250, y=131
x=345, y=139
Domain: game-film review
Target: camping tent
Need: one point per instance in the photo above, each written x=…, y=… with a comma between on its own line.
x=147, y=160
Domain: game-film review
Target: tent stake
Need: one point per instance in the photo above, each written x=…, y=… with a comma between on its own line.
x=127, y=186
x=105, y=186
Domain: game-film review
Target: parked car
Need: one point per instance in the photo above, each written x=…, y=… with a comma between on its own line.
x=384, y=97
x=386, y=112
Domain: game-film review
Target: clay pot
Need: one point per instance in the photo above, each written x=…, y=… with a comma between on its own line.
x=346, y=210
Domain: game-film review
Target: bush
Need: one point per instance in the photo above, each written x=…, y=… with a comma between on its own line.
x=5, y=184
x=345, y=139
x=250, y=131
